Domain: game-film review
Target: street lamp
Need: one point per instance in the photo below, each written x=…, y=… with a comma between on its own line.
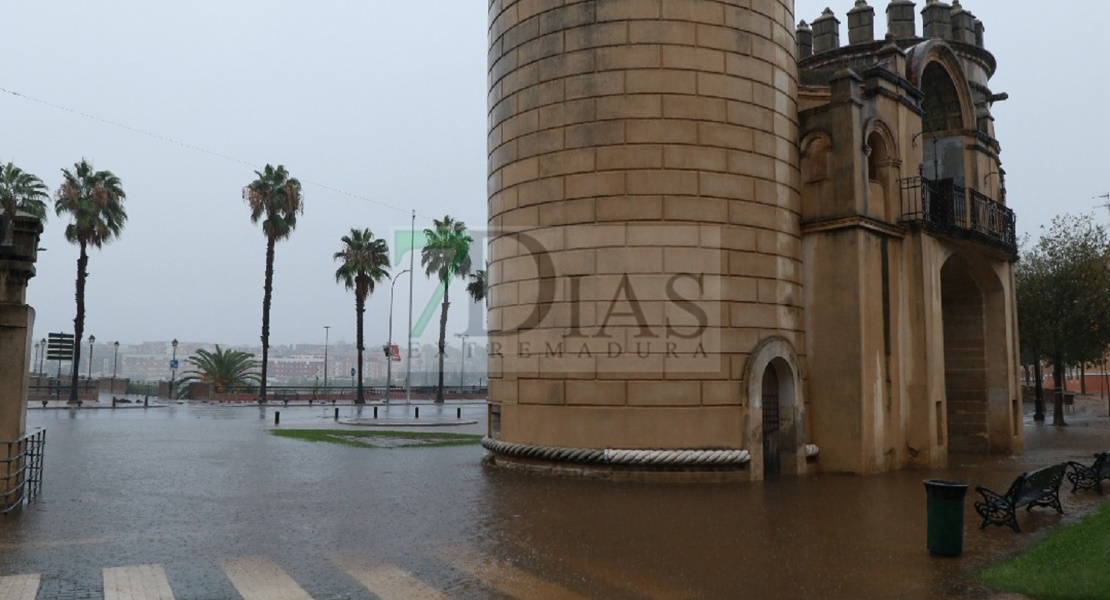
x=173, y=366
x=327, y=330
x=42, y=356
x=92, y=338
x=462, y=359
x=389, y=345
x=36, y=359
x=115, y=363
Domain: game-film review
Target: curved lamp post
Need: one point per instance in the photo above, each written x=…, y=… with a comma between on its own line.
x=115, y=363
x=173, y=366
x=327, y=331
x=92, y=338
x=389, y=344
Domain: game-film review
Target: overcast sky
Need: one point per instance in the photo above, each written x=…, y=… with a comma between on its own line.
x=378, y=108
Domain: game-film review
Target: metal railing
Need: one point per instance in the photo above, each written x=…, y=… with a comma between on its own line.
x=945, y=207
x=21, y=471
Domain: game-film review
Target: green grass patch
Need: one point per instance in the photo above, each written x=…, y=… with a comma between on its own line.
x=381, y=438
x=1070, y=563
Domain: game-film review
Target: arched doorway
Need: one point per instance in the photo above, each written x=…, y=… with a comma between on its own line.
x=965, y=360
x=772, y=422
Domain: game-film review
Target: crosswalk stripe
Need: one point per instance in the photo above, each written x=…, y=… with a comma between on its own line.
x=389, y=582
x=506, y=578
x=259, y=578
x=137, y=582
x=19, y=587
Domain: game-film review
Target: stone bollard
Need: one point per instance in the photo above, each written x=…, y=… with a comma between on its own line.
x=277, y=417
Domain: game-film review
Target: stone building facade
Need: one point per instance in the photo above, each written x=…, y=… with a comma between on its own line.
x=723, y=242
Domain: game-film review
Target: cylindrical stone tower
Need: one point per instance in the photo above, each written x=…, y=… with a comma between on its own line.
x=645, y=296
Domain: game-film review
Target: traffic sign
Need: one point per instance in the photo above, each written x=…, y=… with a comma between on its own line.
x=60, y=346
x=352, y=371
x=173, y=364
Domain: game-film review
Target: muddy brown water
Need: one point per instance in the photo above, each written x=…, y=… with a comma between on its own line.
x=186, y=486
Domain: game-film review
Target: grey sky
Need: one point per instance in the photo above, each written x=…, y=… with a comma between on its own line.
x=382, y=100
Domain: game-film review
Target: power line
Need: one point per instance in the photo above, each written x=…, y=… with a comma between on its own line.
x=170, y=140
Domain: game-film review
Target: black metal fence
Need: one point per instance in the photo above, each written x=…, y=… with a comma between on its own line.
x=21, y=471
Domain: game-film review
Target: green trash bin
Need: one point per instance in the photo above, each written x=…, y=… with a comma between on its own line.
x=946, y=516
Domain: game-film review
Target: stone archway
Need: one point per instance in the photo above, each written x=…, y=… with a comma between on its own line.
x=776, y=425
x=965, y=359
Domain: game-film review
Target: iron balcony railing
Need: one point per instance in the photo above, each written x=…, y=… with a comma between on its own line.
x=21, y=471
x=944, y=207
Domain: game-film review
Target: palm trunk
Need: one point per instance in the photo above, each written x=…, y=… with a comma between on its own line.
x=267, y=290
x=79, y=320
x=1058, y=400
x=442, y=341
x=360, y=308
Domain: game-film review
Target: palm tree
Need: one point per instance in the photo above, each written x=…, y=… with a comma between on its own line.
x=478, y=285
x=223, y=368
x=446, y=254
x=365, y=262
x=275, y=198
x=23, y=191
x=94, y=201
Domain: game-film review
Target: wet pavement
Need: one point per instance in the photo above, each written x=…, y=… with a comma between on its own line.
x=200, y=502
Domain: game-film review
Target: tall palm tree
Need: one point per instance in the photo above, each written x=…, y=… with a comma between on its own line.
x=223, y=368
x=365, y=262
x=19, y=190
x=446, y=254
x=94, y=202
x=275, y=199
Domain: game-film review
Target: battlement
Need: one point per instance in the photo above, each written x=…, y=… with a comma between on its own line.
x=939, y=21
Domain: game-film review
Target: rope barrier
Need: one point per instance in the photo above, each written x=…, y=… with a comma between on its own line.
x=610, y=456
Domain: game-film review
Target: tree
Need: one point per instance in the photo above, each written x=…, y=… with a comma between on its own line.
x=365, y=262
x=223, y=368
x=478, y=286
x=275, y=199
x=94, y=202
x=446, y=254
x=21, y=191
x=1062, y=285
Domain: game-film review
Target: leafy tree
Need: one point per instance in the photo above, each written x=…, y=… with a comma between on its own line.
x=275, y=199
x=94, y=202
x=223, y=368
x=446, y=254
x=1063, y=283
x=365, y=262
x=478, y=285
x=23, y=191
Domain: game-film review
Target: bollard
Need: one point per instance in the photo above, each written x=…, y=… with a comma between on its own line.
x=417, y=412
x=375, y=412
x=113, y=401
x=337, y=414
x=44, y=403
x=277, y=417
x=458, y=413
x=146, y=402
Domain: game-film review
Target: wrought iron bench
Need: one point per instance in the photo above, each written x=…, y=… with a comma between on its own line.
x=1033, y=488
x=1083, y=477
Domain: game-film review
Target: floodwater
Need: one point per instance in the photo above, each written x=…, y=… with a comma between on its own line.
x=201, y=490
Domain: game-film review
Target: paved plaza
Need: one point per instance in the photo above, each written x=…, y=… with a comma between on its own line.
x=201, y=502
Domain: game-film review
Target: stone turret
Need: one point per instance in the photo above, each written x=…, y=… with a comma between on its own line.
x=936, y=20
x=979, y=29
x=826, y=32
x=861, y=23
x=804, y=36
x=901, y=19
x=963, y=24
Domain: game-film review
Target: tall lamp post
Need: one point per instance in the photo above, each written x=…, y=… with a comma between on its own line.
x=462, y=359
x=36, y=360
x=327, y=330
x=42, y=356
x=115, y=363
x=389, y=344
x=412, y=259
x=92, y=338
x=173, y=366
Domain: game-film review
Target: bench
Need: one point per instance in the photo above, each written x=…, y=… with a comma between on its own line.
x=1083, y=477
x=1033, y=488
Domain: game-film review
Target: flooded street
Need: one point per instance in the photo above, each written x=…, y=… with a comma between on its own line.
x=207, y=494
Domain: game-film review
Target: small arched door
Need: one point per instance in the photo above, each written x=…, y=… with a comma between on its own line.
x=771, y=422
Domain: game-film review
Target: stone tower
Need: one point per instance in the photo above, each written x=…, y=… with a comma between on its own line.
x=645, y=306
